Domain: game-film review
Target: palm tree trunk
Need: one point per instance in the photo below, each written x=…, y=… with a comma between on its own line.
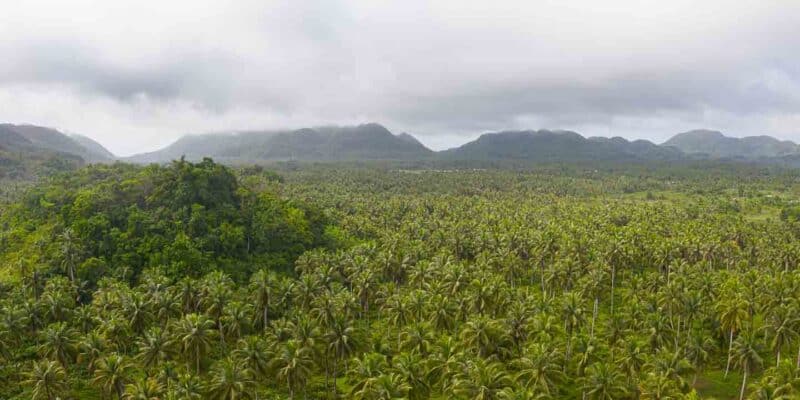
x=798, y=357
x=744, y=382
x=730, y=348
x=613, y=276
x=335, y=361
x=594, y=317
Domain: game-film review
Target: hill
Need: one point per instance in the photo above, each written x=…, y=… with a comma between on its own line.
x=362, y=142
x=31, y=139
x=93, y=147
x=550, y=146
x=22, y=157
x=714, y=144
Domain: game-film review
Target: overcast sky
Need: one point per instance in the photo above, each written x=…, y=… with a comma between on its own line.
x=136, y=75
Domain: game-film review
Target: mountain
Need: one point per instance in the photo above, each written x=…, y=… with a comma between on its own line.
x=363, y=142
x=96, y=149
x=555, y=146
x=37, y=138
x=714, y=144
x=23, y=159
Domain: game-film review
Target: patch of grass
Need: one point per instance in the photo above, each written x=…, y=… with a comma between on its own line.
x=714, y=385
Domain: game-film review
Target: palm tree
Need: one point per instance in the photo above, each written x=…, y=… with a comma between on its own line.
x=188, y=388
x=342, y=341
x=483, y=335
x=417, y=338
x=58, y=343
x=144, y=389
x=777, y=383
x=539, y=368
x=746, y=355
x=92, y=347
x=48, y=380
x=112, y=373
x=230, y=380
x=366, y=370
x=293, y=364
x=698, y=352
x=70, y=252
x=603, y=382
x=732, y=314
x=481, y=380
x=195, y=334
x=154, y=347
x=262, y=288
x=389, y=386
x=781, y=324
x=414, y=372
x=573, y=312
x=253, y=352
x=659, y=386
x=672, y=365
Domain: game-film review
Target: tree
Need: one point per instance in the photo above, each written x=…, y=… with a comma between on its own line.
x=154, y=348
x=48, y=380
x=603, y=382
x=342, y=341
x=539, y=369
x=112, y=373
x=230, y=380
x=780, y=327
x=746, y=356
x=195, y=334
x=732, y=314
x=144, y=389
x=59, y=343
x=481, y=380
x=294, y=365
x=254, y=353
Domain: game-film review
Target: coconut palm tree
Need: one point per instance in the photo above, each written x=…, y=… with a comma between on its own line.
x=604, y=382
x=91, y=349
x=58, y=342
x=155, y=347
x=539, y=369
x=780, y=327
x=112, y=373
x=746, y=356
x=144, y=389
x=230, y=380
x=481, y=380
x=342, y=341
x=195, y=333
x=390, y=386
x=732, y=313
x=255, y=354
x=262, y=288
x=293, y=364
x=48, y=380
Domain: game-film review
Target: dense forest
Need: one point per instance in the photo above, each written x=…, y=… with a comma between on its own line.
x=322, y=281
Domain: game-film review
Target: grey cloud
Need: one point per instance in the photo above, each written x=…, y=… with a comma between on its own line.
x=444, y=68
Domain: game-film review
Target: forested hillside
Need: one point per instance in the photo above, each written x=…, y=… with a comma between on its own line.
x=192, y=281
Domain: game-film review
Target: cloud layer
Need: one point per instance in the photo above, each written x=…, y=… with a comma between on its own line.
x=135, y=75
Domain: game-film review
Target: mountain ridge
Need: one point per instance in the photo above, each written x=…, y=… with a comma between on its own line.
x=715, y=144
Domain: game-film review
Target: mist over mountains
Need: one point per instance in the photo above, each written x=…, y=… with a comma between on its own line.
x=374, y=142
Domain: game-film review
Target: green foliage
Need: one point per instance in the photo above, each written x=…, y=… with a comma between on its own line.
x=186, y=219
x=561, y=282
